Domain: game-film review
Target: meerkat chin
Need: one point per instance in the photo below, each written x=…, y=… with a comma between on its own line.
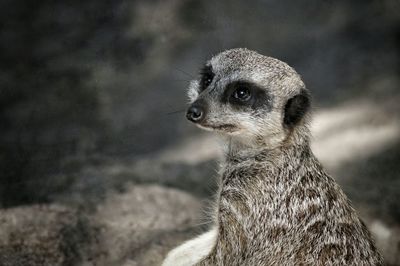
x=276, y=204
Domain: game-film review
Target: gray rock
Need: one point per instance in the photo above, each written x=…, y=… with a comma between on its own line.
x=142, y=224
x=42, y=235
x=136, y=227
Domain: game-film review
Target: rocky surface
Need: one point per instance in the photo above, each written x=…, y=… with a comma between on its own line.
x=43, y=235
x=137, y=227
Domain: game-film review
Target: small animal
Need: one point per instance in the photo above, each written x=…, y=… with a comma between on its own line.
x=276, y=205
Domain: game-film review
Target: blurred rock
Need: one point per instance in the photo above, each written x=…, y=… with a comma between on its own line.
x=137, y=227
x=43, y=235
x=143, y=223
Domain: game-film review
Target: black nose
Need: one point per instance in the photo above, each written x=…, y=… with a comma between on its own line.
x=195, y=113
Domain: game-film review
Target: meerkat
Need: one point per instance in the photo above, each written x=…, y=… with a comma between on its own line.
x=276, y=205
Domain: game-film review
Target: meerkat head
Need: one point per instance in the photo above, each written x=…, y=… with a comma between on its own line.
x=254, y=99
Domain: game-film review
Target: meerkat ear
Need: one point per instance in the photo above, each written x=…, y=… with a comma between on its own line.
x=296, y=107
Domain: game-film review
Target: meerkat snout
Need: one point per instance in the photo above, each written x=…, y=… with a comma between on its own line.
x=196, y=112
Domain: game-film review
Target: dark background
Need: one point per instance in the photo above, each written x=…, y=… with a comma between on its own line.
x=92, y=92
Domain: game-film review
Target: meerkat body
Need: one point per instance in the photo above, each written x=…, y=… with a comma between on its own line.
x=276, y=205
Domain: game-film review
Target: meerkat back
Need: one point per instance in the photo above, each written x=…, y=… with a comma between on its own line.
x=276, y=205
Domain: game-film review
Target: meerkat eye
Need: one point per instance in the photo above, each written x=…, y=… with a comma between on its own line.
x=245, y=94
x=242, y=94
x=207, y=77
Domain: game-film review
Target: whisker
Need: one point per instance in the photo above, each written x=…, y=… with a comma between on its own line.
x=180, y=80
x=176, y=112
x=184, y=72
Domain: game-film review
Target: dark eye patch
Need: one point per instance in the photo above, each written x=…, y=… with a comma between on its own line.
x=259, y=97
x=206, y=77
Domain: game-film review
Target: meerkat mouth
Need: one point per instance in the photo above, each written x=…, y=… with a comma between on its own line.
x=224, y=127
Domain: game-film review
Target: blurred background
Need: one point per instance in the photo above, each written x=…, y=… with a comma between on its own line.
x=98, y=165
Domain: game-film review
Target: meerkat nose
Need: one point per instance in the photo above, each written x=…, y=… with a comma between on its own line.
x=195, y=113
